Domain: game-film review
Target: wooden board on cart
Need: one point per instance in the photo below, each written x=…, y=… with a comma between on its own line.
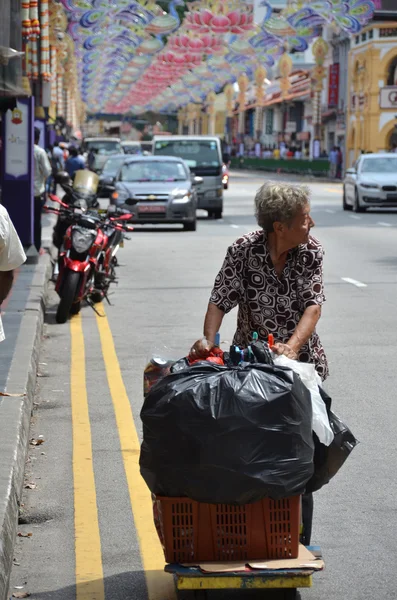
x=265, y=575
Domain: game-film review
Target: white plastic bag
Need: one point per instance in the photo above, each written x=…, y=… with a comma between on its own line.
x=311, y=380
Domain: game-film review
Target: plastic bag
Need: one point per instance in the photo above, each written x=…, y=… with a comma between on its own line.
x=311, y=379
x=230, y=435
x=329, y=459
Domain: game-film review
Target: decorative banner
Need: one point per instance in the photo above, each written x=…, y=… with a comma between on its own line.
x=16, y=141
x=123, y=64
x=333, y=85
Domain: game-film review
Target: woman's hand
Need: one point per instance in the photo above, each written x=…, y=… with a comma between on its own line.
x=201, y=349
x=280, y=348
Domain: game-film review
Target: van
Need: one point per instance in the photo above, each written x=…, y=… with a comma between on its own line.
x=203, y=156
x=102, y=147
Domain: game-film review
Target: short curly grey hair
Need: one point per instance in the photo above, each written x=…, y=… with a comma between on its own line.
x=279, y=202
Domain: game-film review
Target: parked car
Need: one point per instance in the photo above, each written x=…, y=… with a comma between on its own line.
x=372, y=182
x=163, y=187
x=98, y=149
x=131, y=147
x=108, y=175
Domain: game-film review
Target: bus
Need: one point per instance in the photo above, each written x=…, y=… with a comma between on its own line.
x=203, y=155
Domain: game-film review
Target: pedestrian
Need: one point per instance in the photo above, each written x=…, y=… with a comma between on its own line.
x=42, y=170
x=339, y=163
x=275, y=278
x=12, y=256
x=58, y=157
x=333, y=158
x=75, y=162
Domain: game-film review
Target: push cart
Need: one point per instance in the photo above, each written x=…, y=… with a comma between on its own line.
x=193, y=582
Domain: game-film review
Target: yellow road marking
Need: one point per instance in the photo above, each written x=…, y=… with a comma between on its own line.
x=89, y=571
x=159, y=584
x=334, y=190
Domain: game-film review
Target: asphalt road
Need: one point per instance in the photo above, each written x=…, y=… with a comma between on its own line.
x=89, y=513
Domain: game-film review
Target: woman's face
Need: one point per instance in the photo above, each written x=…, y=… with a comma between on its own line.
x=298, y=232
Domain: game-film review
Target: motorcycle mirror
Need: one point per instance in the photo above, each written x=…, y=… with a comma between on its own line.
x=131, y=201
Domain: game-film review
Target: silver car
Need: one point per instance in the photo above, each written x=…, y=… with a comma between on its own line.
x=372, y=182
x=163, y=188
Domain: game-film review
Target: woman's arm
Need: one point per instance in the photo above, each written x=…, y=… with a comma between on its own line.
x=212, y=324
x=213, y=321
x=305, y=328
x=303, y=332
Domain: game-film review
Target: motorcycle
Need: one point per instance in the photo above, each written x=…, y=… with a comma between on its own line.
x=86, y=257
x=80, y=193
x=225, y=177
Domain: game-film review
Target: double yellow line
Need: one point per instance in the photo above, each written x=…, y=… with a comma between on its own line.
x=89, y=569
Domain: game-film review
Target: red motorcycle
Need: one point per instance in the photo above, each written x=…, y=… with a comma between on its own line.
x=86, y=265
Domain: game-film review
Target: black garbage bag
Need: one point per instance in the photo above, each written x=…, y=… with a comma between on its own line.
x=230, y=435
x=329, y=459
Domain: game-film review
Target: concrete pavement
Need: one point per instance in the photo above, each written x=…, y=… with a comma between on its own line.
x=23, y=316
x=92, y=536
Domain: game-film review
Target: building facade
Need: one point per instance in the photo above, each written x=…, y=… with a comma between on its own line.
x=372, y=89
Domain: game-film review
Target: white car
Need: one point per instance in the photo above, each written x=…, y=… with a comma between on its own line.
x=372, y=182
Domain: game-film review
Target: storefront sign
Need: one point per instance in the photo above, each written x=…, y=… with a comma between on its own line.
x=303, y=136
x=290, y=127
x=17, y=142
x=333, y=85
x=388, y=97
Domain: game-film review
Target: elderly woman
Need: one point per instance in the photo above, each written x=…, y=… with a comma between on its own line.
x=275, y=277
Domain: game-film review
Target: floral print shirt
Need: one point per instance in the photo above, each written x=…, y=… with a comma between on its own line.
x=269, y=303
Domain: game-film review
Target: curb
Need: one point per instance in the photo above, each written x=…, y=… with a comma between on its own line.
x=15, y=414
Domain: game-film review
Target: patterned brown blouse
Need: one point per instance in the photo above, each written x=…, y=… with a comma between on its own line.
x=269, y=303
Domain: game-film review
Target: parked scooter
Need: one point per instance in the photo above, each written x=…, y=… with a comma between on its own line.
x=86, y=265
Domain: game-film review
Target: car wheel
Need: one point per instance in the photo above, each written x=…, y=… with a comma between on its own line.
x=190, y=226
x=346, y=206
x=217, y=214
x=356, y=206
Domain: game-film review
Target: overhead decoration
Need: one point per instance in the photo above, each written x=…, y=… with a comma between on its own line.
x=137, y=55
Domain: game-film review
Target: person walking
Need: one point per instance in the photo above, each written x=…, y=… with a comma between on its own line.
x=75, y=162
x=42, y=170
x=12, y=256
x=333, y=160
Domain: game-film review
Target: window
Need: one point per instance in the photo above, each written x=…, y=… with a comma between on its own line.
x=357, y=39
x=153, y=170
x=371, y=34
x=363, y=37
x=379, y=165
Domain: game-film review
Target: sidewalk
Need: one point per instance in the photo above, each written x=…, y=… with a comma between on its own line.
x=23, y=316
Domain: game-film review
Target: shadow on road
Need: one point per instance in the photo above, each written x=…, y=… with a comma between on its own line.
x=132, y=586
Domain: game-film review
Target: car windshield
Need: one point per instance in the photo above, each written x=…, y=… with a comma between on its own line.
x=104, y=147
x=196, y=153
x=132, y=148
x=384, y=164
x=112, y=165
x=153, y=170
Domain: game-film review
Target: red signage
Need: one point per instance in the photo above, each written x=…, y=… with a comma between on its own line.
x=333, y=85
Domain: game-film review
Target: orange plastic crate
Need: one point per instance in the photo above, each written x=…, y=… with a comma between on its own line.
x=193, y=531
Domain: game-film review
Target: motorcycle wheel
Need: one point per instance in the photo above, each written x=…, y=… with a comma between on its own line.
x=69, y=291
x=76, y=307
